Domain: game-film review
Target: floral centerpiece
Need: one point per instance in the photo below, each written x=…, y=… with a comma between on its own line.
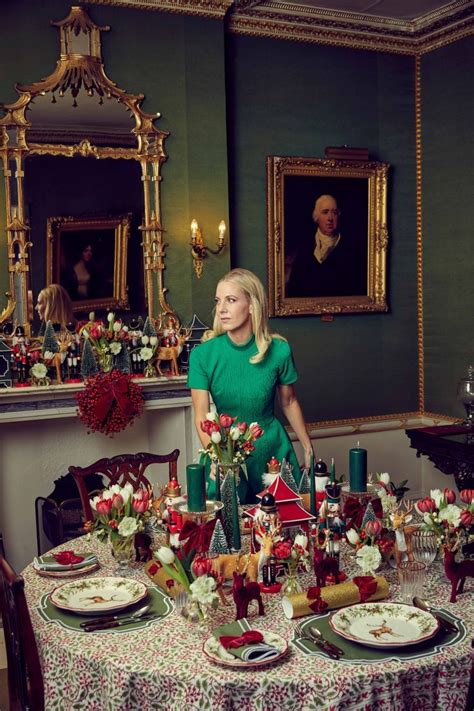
x=370, y=543
x=120, y=513
x=231, y=441
x=444, y=517
x=108, y=340
x=294, y=555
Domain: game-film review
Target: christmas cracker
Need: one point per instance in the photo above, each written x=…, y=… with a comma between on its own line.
x=341, y=595
x=161, y=578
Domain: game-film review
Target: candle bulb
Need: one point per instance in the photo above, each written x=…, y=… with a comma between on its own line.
x=333, y=471
x=358, y=469
x=312, y=486
x=196, y=487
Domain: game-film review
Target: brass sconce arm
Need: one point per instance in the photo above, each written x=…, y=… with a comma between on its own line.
x=198, y=248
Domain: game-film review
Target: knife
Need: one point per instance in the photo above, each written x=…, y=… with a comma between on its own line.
x=444, y=624
x=325, y=646
x=329, y=647
x=116, y=623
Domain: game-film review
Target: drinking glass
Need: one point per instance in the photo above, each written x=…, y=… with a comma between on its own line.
x=411, y=576
x=424, y=546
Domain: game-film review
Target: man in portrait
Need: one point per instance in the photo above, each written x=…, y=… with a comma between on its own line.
x=330, y=262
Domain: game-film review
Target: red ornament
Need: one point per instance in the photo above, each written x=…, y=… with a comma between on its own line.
x=110, y=402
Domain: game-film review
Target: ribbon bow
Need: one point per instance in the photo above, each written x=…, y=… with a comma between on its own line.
x=116, y=390
x=231, y=642
x=367, y=586
x=354, y=511
x=318, y=605
x=198, y=535
x=67, y=558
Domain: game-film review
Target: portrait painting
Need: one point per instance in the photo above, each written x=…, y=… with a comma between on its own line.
x=326, y=236
x=88, y=257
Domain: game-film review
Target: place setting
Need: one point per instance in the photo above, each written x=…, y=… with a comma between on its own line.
x=65, y=564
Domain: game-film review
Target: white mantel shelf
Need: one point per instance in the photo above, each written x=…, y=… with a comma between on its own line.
x=59, y=401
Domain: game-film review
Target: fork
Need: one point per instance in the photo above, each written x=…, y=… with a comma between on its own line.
x=321, y=643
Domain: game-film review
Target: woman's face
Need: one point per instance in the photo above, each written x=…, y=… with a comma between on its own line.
x=87, y=253
x=233, y=309
x=41, y=306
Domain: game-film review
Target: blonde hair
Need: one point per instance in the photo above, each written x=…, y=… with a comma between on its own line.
x=57, y=304
x=255, y=294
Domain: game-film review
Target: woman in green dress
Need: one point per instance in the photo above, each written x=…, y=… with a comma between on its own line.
x=241, y=365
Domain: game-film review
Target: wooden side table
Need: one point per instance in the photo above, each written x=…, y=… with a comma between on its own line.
x=450, y=448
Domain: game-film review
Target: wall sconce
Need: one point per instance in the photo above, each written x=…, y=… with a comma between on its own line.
x=198, y=248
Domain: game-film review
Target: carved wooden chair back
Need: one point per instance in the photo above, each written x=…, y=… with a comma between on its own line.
x=25, y=680
x=122, y=469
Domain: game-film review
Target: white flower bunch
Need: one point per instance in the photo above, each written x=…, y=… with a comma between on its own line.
x=368, y=559
x=203, y=591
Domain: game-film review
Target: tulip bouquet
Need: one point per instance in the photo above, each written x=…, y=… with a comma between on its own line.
x=120, y=512
x=444, y=517
x=370, y=543
x=231, y=441
x=108, y=340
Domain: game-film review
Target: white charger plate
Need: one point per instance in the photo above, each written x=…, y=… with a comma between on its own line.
x=98, y=595
x=384, y=624
x=214, y=651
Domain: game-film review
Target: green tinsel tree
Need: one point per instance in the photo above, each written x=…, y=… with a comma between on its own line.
x=88, y=361
x=149, y=329
x=122, y=360
x=304, y=485
x=369, y=515
x=50, y=342
x=287, y=476
x=218, y=542
x=230, y=512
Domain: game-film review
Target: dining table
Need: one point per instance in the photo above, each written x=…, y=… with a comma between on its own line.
x=159, y=662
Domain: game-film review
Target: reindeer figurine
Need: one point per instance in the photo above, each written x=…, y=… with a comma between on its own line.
x=171, y=352
x=400, y=517
x=226, y=564
x=456, y=572
x=243, y=593
x=324, y=564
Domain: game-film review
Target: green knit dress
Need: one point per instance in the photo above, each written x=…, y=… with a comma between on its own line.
x=247, y=391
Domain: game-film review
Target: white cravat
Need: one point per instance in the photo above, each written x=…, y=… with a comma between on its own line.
x=324, y=245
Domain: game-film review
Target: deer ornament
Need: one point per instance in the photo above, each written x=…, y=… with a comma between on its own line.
x=225, y=565
x=400, y=517
x=456, y=572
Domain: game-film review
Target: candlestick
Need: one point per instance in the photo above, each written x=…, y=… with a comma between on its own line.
x=358, y=469
x=196, y=487
x=312, y=486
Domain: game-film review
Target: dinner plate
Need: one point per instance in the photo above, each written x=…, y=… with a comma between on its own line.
x=214, y=651
x=98, y=595
x=67, y=572
x=384, y=624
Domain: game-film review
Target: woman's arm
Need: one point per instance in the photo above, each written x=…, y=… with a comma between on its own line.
x=292, y=411
x=201, y=405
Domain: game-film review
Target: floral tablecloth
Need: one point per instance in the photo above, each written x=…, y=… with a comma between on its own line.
x=162, y=666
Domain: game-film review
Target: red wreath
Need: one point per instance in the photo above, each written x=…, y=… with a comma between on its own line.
x=109, y=402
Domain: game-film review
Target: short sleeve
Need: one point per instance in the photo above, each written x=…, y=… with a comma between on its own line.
x=287, y=373
x=197, y=377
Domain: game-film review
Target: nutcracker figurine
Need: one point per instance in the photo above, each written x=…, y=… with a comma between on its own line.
x=267, y=520
x=331, y=522
x=173, y=519
x=321, y=478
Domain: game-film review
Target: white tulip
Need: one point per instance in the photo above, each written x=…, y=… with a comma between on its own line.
x=165, y=555
x=438, y=496
x=216, y=437
x=110, y=316
x=126, y=492
x=212, y=416
x=234, y=433
x=384, y=478
x=301, y=540
x=145, y=340
x=352, y=536
x=153, y=340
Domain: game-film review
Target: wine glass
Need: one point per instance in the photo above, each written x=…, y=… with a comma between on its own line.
x=424, y=546
x=466, y=395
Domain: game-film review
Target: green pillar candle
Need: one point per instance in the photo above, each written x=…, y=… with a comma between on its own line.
x=196, y=487
x=333, y=471
x=312, y=487
x=358, y=469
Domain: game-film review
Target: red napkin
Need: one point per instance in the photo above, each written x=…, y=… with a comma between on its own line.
x=232, y=642
x=67, y=558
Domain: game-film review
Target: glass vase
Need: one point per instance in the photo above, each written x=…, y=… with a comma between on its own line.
x=291, y=584
x=122, y=549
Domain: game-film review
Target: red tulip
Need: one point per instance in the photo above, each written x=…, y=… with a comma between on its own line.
x=201, y=565
x=373, y=528
x=282, y=550
x=117, y=502
x=449, y=496
x=242, y=427
x=467, y=518
x=226, y=421
x=467, y=495
x=255, y=430
x=103, y=506
x=426, y=505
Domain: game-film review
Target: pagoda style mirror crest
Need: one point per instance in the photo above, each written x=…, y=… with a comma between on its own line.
x=78, y=114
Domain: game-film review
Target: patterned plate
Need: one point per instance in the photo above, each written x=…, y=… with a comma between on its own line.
x=97, y=595
x=384, y=624
x=69, y=573
x=214, y=651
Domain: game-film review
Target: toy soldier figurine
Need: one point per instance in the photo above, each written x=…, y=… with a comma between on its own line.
x=321, y=478
x=173, y=519
x=331, y=522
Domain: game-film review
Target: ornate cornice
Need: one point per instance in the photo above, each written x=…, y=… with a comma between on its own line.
x=301, y=23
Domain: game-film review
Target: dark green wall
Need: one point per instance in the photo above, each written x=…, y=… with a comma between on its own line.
x=448, y=236
x=287, y=98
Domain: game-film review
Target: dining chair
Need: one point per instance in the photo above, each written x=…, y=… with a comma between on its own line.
x=122, y=469
x=25, y=679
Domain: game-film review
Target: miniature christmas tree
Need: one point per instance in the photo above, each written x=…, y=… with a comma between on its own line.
x=304, y=485
x=149, y=329
x=50, y=342
x=230, y=512
x=88, y=361
x=287, y=476
x=218, y=542
x=122, y=360
x=369, y=514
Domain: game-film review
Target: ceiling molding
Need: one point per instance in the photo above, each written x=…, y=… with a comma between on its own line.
x=302, y=23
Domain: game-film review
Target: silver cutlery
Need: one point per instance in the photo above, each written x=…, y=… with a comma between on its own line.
x=317, y=641
x=118, y=623
x=316, y=635
x=445, y=625
x=112, y=618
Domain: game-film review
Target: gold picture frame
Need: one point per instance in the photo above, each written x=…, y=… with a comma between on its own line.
x=88, y=256
x=351, y=278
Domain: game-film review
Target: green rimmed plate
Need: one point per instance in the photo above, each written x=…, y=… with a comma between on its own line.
x=378, y=624
x=98, y=595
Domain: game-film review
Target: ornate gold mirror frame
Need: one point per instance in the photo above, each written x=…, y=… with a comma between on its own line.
x=79, y=68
